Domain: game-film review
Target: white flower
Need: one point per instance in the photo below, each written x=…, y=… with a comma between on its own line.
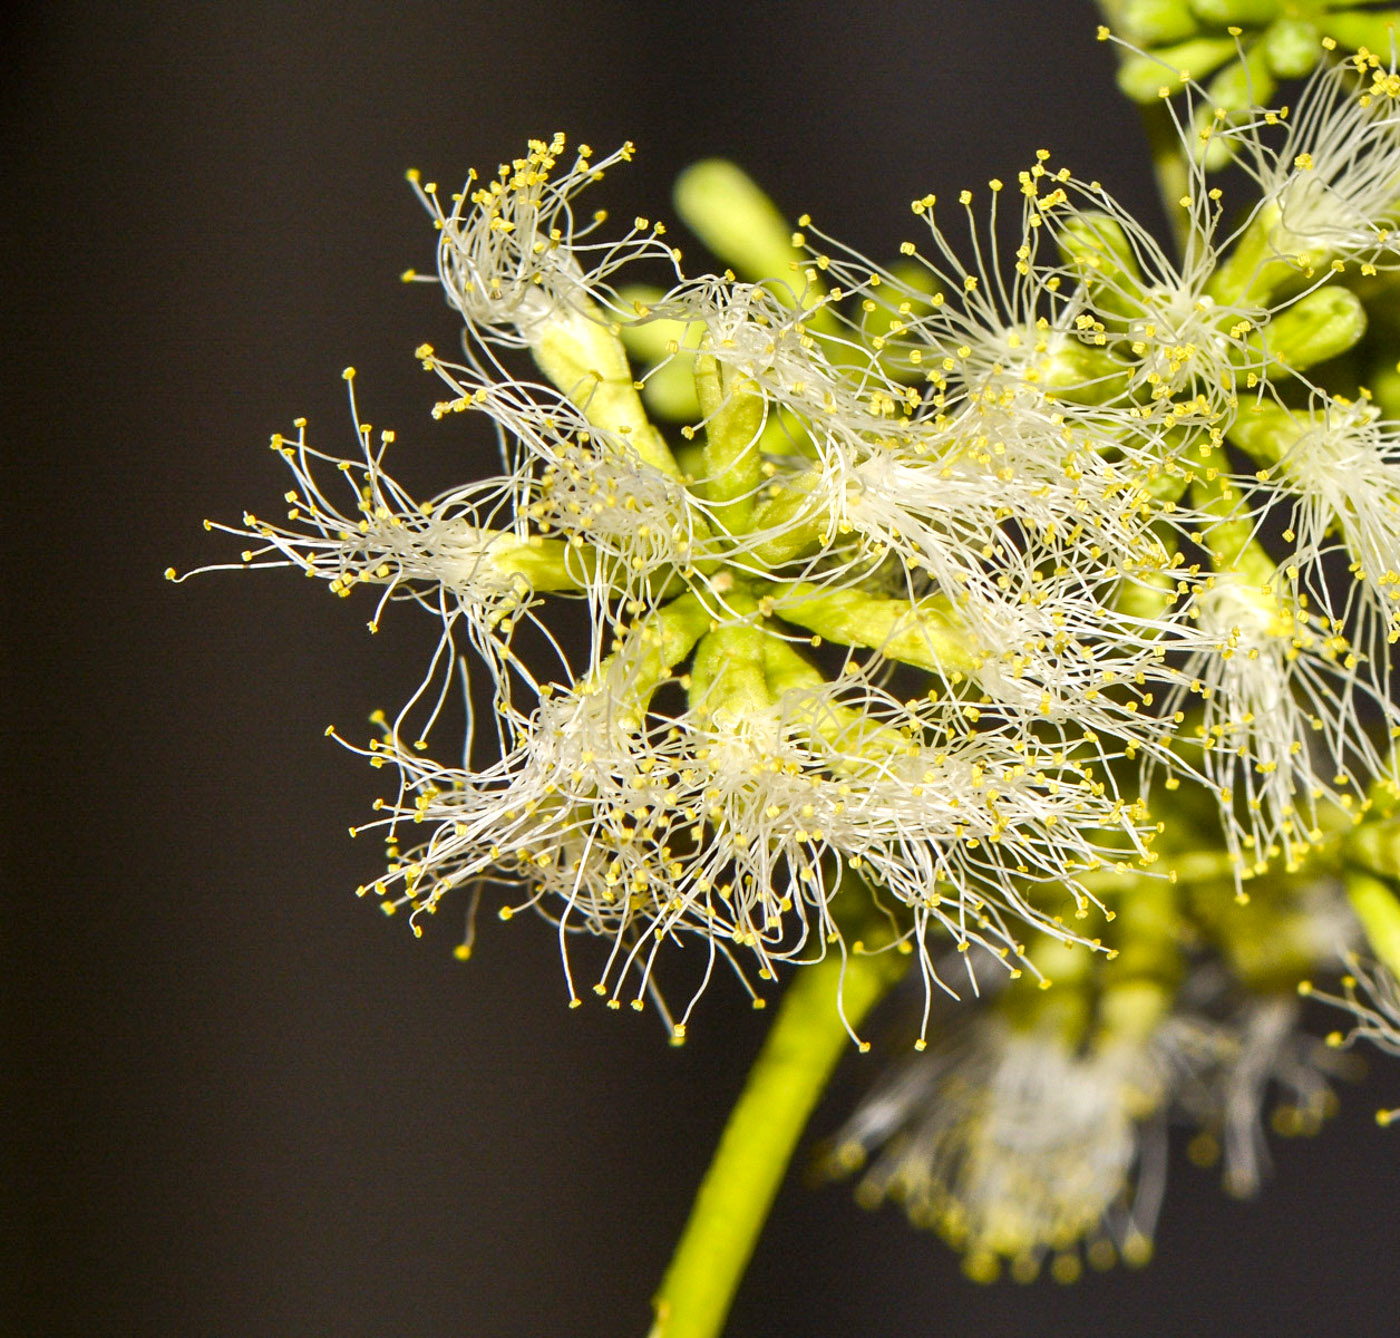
x=1118, y=338
x=1281, y=724
x=1012, y=1144
x=990, y=507
x=971, y=331
x=1179, y=351
x=464, y=555
x=512, y=261
x=628, y=517
x=1228, y=1069
x=1341, y=464
x=735, y=822
x=1019, y=1141
x=774, y=342
x=1332, y=188
x=512, y=256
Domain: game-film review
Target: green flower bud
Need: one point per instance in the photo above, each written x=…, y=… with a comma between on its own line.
x=1293, y=47
x=1379, y=912
x=1357, y=28
x=1253, y=273
x=1266, y=432
x=732, y=461
x=1143, y=77
x=727, y=681
x=669, y=389
x=1320, y=325
x=1230, y=535
x=1097, y=248
x=722, y=205
x=925, y=635
x=580, y=353
x=787, y=518
x=1241, y=12
x=547, y=564
x=1153, y=22
x=665, y=637
x=1384, y=385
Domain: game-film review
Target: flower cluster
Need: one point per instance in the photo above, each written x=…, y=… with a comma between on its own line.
x=1243, y=49
x=1022, y=606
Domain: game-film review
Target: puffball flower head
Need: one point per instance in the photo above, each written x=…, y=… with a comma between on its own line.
x=906, y=613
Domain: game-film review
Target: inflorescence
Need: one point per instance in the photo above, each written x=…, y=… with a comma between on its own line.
x=1023, y=606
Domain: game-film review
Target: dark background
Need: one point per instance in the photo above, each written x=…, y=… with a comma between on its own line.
x=236, y=1100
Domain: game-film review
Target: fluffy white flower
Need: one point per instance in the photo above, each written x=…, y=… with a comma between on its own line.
x=1230, y=1068
x=1016, y=1143
x=1339, y=463
x=735, y=823
x=512, y=256
x=1280, y=696
x=1332, y=187
x=465, y=555
x=1013, y=1145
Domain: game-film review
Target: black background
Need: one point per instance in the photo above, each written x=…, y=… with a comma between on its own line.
x=238, y=1101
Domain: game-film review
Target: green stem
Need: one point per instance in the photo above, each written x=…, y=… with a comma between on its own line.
x=925, y=635
x=807, y=1038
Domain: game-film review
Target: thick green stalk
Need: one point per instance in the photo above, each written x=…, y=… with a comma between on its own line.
x=926, y=635
x=792, y=1069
